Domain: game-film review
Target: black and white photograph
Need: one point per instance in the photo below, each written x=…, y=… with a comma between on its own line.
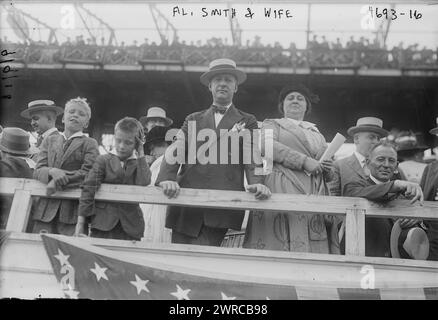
x=219, y=150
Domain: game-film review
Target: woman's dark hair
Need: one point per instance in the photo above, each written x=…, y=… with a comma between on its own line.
x=310, y=97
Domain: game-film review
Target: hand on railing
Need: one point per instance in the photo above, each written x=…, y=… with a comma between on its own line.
x=261, y=191
x=411, y=190
x=170, y=188
x=408, y=223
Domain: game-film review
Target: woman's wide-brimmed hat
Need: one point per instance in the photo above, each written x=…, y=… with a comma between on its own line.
x=156, y=113
x=39, y=105
x=368, y=124
x=15, y=141
x=409, y=243
x=409, y=141
x=435, y=130
x=220, y=66
x=309, y=95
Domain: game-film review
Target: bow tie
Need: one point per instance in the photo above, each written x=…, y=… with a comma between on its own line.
x=219, y=109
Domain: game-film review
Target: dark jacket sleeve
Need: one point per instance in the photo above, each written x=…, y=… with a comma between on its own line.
x=91, y=151
x=90, y=186
x=144, y=174
x=335, y=183
x=363, y=189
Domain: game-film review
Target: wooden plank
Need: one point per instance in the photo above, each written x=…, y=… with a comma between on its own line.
x=402, y=294
x=242, y=200
x=185, y=250
x=355, y=232
x=20, y=209
x=9, y=185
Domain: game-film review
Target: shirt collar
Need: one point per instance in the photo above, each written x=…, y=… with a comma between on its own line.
x=375, y=180
x=132, y=156
x=49, y=132
x=360, y=158
x=74, y=135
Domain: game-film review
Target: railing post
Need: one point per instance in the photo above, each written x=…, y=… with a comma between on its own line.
x=355, y=232
x=20, y=210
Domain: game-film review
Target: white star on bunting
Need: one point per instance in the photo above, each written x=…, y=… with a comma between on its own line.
x=63, y=259
x=99, y=272
x=224, y=297
x=72, y=294
x=181, y=294
x=140, y=284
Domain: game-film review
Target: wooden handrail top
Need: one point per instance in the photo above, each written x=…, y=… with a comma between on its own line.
x=225, y=199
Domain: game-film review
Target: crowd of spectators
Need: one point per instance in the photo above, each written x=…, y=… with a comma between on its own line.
x=360, y=52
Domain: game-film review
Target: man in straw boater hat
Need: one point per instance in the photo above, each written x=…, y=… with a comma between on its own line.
x=43, y=114
x=15, y=150
x=366, y=134
x=199, y=225
x=155, y=116
x=429, y=184
x=379, y=186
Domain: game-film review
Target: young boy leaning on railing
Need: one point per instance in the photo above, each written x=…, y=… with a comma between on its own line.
x=126, y=165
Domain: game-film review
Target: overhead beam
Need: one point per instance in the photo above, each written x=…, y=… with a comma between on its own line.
x=162, y=24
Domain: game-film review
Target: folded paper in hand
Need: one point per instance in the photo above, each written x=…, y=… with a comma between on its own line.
x=334, y=146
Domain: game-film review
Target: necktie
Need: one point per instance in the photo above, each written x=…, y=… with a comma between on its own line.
x=66, y=144
x=39, y=140
x=219, y=109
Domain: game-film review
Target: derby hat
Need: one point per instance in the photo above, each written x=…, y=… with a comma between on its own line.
x=156, y=113
x=220, y=66
x=39, y=105
x=15, y=141
x=435, y=130
x=409, y=243
x=409, y=141
x=368, y=124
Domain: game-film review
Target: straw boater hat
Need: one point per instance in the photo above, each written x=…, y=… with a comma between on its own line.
x=15, y=141
x=409, y=243
x=156, y=113
x=408, y=141
x=220, y=66
x=435, y=130
x=39, y=105
x=368, y=124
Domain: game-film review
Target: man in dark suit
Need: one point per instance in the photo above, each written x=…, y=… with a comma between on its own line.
x=378, y=186
x=429, y=184
x=199, y=225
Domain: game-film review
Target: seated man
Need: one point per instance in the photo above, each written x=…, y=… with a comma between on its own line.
x=382, y=164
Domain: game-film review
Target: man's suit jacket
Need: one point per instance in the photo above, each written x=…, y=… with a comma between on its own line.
x=106, y=215
x=208, y=176
x=77, y=160
x=345, y=170
x=34, y=157
x=11, y=167
x=377, y=230
x=429, y=184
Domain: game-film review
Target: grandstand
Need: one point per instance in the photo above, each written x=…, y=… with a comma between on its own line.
x=355, y=78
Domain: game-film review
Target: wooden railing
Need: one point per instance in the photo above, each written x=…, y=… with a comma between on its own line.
x=355, y=209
